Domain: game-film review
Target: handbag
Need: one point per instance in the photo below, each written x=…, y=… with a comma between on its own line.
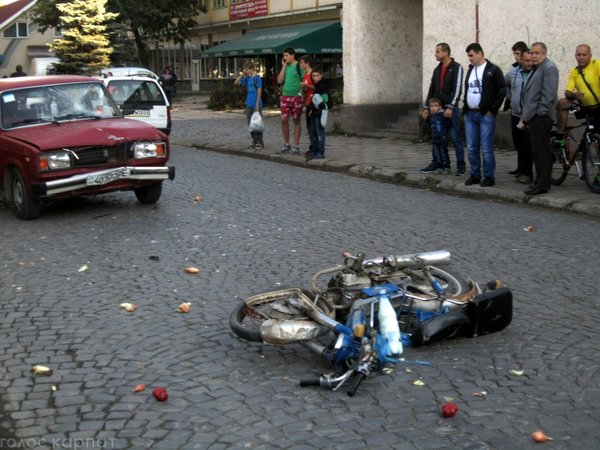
x=257, y=124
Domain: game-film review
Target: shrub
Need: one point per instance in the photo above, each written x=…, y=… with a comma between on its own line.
x=338, y=97
x=226, y=96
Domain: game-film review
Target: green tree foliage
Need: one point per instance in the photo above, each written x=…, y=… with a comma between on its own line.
x=84, y=47
x=144, y=20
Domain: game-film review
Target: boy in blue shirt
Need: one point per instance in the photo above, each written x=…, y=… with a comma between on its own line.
x=253, y=84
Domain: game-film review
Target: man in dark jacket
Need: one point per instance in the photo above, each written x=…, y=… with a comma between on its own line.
x=484, y=93
x=446, y=84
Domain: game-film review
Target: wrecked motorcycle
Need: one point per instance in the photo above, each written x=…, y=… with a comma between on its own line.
x=371, y=308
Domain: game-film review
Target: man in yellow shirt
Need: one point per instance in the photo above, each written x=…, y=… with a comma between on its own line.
x=583, y=86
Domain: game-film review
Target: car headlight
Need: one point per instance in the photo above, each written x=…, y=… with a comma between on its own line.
x=58, y=160
x=149, y=150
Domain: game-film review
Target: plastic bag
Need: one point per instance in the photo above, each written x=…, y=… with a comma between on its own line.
x=317, y=100
x=257, y=124
x=324, y=115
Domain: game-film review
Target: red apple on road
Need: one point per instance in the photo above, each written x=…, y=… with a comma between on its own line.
x=449, y=409
x=160, y=394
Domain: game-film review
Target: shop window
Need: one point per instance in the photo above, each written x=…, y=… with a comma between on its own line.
x=217, y=4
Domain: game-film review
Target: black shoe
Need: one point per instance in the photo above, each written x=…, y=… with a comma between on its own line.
x=486, y=182
x=431, y=168
x=472, y=180
x=461, y=170
x=535, y=191
x=515, y=172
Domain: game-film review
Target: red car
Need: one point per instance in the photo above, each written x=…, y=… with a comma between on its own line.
x=64, y=136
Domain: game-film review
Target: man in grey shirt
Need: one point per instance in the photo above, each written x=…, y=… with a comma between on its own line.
x=539, y=113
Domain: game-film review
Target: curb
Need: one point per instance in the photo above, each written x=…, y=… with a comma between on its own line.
x=426, y=182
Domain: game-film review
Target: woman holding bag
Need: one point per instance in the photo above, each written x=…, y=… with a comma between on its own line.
x=254, y=86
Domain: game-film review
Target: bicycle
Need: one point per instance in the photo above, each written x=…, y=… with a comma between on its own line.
x=567, y=155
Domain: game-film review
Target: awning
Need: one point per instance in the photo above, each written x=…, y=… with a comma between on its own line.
x=322, y=37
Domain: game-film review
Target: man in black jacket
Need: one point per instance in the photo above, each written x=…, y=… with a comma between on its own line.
x=446, y=84
x=484, y=93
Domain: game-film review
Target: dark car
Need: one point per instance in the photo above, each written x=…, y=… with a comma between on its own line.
x=64, y=136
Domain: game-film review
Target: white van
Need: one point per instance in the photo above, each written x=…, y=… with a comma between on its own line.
x=128, y=72
x=141, y=98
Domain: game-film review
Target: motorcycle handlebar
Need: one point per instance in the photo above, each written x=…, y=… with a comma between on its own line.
x=356, y=383
x=312, y=382
x=414, y=260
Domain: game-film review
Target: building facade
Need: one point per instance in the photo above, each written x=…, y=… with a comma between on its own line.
x=20, y=41
x=227, y=21
x=389, y=45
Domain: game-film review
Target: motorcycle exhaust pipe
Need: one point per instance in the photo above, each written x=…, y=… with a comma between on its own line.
x=411, y=261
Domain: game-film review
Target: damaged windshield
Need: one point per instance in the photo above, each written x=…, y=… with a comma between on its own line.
x=55, y=104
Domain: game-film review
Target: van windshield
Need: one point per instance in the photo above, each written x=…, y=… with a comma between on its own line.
x=135, y=94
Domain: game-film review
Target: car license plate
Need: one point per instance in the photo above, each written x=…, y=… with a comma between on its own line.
x=141, y=113
x=107, y=177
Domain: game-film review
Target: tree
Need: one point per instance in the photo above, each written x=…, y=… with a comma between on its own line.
x=145, y=21
x=84, y=47
x=167, y=20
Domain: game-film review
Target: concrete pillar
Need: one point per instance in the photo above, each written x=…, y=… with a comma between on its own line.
x=383, y=53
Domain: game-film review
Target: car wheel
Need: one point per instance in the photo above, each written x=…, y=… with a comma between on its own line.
x=25, y=206
x=149, y=193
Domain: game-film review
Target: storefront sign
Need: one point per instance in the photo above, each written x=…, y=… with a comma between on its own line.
x=249, y=9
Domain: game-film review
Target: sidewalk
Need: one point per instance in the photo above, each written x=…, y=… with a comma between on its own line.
x=385, y=157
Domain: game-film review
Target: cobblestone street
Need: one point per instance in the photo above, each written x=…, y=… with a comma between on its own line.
x=260, y=226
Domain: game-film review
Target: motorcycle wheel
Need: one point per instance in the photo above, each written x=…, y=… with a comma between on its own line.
x=247, y=317
x=454, y=285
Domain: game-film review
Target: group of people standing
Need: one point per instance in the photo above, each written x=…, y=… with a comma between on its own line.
x=529, y=90
x=302, y=87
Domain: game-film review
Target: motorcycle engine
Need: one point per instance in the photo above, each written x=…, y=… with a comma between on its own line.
x=350, y=280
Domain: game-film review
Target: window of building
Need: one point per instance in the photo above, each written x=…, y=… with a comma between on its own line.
x=219, y=4
x=18, y=30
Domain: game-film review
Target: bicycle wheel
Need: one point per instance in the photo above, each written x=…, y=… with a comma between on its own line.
x=247, y=317
x=560, y=164
x=591, y=164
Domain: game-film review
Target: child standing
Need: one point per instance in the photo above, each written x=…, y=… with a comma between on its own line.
x=320, y=101
x=308, y=87
x=439, y=124
x=253, y=84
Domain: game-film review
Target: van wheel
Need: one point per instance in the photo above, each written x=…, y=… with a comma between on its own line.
x=149, y=193
x=25, y=206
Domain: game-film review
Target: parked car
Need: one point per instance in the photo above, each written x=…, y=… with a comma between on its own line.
x=141, y=98
x=64, y=136
x=128, y=72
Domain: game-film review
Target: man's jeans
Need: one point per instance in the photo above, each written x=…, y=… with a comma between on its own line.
x=480, y=130
x=456, y=139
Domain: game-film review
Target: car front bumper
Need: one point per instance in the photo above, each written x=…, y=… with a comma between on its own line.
x=102, y=178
